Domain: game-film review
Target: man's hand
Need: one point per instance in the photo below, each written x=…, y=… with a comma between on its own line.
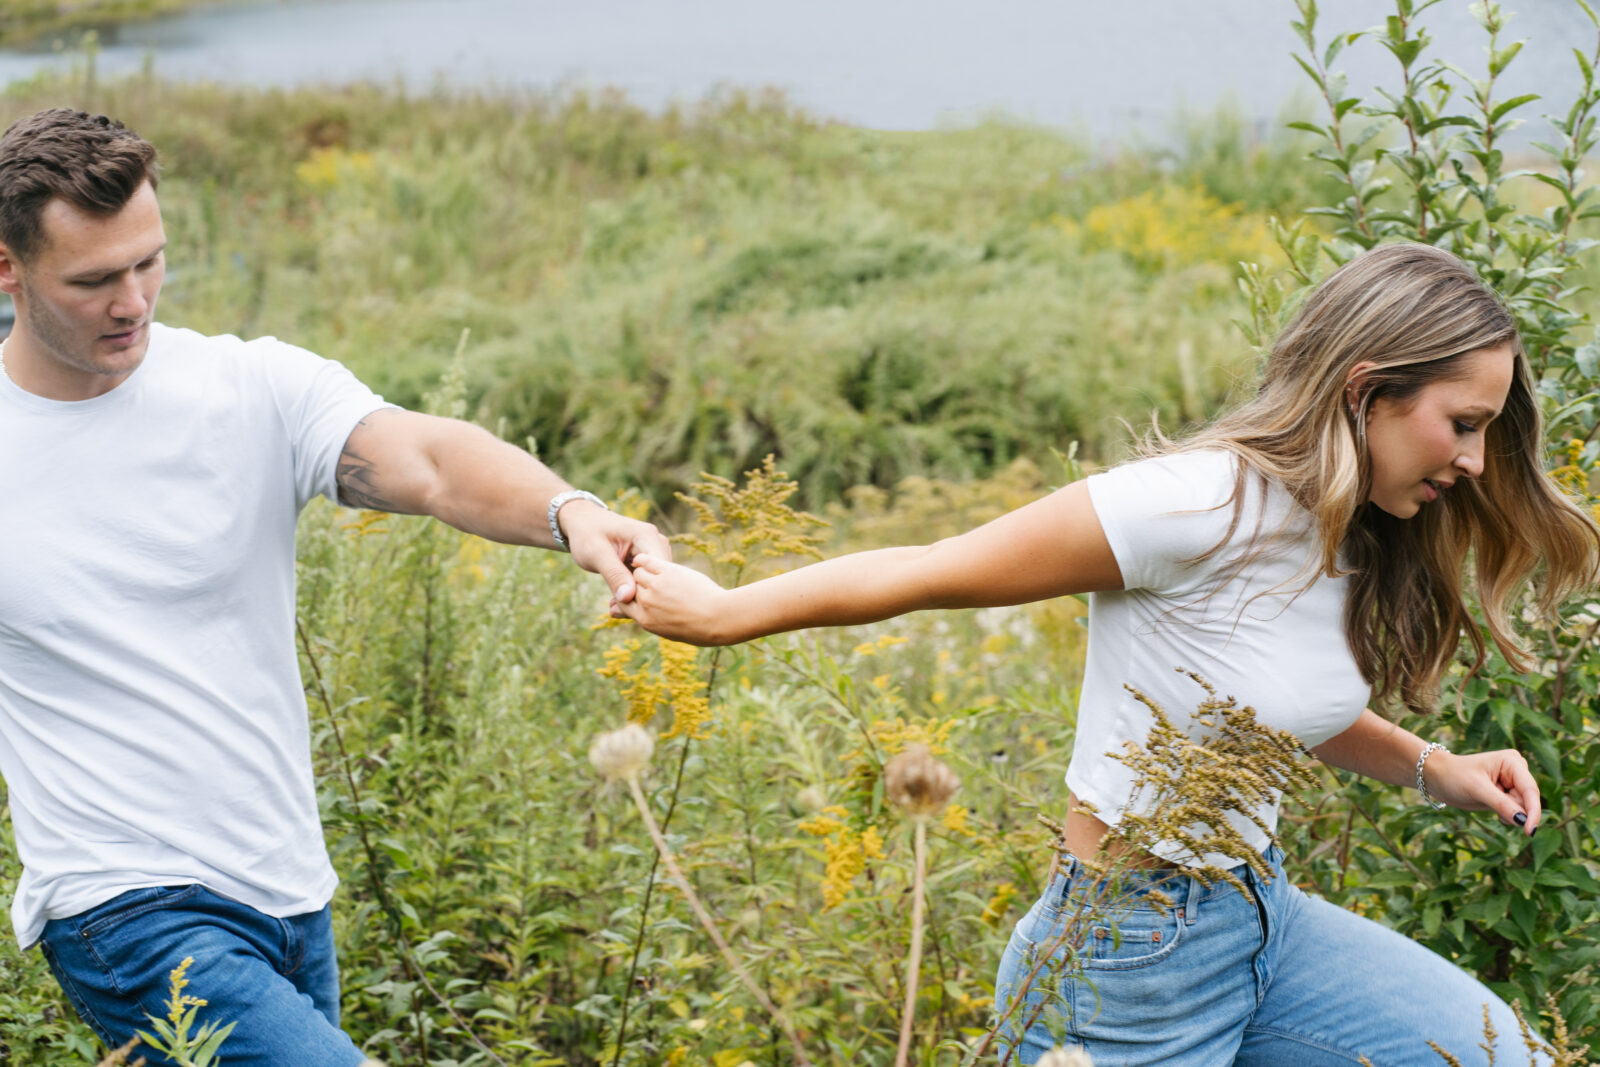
x=606, y=543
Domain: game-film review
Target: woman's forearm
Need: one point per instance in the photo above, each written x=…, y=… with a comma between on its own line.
x=1375, y=748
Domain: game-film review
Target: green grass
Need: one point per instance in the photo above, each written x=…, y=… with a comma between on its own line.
x=39, y=22
x=650, y=296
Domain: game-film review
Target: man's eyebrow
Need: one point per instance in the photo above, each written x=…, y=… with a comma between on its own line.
x=106, y=272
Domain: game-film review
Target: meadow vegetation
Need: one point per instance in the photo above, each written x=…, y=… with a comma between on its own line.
x=924, y=330
x=44, y=23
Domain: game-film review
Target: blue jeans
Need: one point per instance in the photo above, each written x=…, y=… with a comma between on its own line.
x=1274, y=979
x=276, y=978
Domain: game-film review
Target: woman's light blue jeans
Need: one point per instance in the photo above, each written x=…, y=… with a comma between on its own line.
x=277, y=979
x=1275, y=978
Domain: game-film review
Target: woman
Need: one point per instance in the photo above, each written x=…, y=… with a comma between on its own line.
x=1305, y=554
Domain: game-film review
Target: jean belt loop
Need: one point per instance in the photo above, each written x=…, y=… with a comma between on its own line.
x=1191, y=903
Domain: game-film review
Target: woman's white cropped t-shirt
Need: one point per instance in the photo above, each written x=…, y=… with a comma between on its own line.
x=1256, y=633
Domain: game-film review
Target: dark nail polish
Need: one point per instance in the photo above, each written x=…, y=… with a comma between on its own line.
x=1520, y=818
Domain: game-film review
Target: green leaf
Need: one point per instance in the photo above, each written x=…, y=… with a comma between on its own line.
x=1501, y=59
x=1511, y=105
x=1302, y=31
x=1544, y=846
x=1525, y=913
x=1544, y=750
x=1311, y=72
x=1336, y=46
x=1393, y=876
x=1588, y=359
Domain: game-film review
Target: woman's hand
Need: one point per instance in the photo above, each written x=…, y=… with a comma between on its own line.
x=676, y=603
x=1496, y=781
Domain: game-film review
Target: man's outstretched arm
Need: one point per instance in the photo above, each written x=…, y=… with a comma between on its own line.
x=415, y=464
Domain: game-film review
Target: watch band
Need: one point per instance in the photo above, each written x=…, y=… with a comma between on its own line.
x=555, y=508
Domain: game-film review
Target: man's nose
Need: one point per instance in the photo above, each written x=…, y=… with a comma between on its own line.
x=129, y=300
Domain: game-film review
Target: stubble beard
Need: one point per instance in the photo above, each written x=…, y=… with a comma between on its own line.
x=61, y=347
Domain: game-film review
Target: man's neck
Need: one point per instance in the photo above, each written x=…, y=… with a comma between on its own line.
x=24, y=362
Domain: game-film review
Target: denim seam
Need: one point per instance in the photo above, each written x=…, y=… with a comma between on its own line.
x=111, y=920
x=111, y=974
x=75, y=995
x=1137, y=962
x=1289, y=1035
x=294, y=948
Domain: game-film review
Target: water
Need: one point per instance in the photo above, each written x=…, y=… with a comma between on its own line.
x=1111, y=70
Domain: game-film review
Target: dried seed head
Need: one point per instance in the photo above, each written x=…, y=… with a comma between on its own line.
x=622, y=753
x=812, y=798
x=918, y=784
x=1062, y=1057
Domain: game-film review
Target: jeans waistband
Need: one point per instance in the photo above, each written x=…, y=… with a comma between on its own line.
x=1185, y=892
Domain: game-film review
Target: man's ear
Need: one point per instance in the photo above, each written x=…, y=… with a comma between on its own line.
x=10, y=272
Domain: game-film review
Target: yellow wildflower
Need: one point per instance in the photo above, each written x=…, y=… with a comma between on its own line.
x=845, y=861
x=872, y=843
x=680, y=685
x=1572, y=478
x=999, y=904
x=955, y=820
x=895, y=735
x=829, y=820
x=370, y=522
x=733, y=521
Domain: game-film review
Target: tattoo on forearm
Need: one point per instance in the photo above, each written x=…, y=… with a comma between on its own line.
x=358, y=479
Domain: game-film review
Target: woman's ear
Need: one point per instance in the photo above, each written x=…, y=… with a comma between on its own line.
x=1355, y=386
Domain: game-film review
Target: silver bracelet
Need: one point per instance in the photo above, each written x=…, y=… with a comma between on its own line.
x=1422, y=785
x=555, y=509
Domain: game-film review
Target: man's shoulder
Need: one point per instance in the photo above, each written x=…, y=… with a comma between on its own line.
x=217, y=358
x=182, y=341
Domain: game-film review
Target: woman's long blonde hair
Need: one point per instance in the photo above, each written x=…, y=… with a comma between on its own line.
x=1412, y=312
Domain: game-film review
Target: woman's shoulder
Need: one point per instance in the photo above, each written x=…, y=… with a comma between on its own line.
x=1184, y=480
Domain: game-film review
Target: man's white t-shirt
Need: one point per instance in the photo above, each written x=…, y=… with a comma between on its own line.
x=153, y=726
x=1258, y=634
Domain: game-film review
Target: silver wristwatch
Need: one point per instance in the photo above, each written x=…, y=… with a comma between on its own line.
x=555, y=508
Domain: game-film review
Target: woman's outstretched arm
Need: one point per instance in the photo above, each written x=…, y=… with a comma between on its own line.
x=1496, y=781
x=1049, y=548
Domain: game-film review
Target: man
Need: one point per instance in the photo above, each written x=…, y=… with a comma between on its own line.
x=153, y=727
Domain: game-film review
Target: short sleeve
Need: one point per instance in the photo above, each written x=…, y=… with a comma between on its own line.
x=320, y=402
x=1160, y=514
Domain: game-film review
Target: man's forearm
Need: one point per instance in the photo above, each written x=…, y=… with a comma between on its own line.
x=493, y=489
x=415, y=464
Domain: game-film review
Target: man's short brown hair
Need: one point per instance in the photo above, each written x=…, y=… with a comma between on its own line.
x=91, y=161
